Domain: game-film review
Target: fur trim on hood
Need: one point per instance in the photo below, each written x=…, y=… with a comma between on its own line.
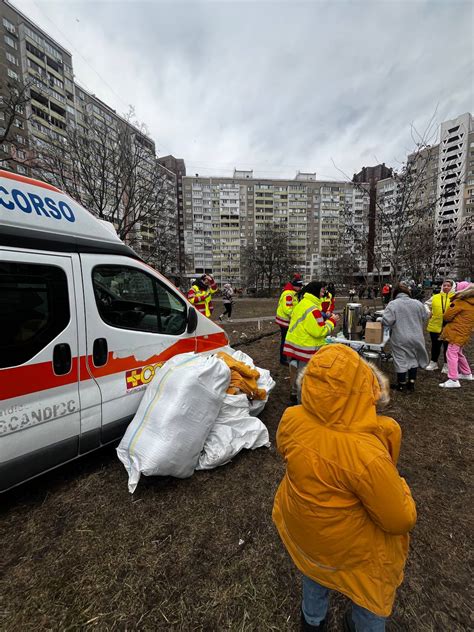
x=464, y=292
x=384, y=384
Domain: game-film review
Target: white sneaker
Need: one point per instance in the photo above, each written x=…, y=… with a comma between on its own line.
x=451, y=384
x=444, y=369
x=466, y=376
x=432, y=366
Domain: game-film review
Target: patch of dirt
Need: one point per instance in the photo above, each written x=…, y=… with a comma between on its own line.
x=202, y=554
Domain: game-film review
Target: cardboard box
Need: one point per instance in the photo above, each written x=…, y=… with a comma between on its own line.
x=373, y=333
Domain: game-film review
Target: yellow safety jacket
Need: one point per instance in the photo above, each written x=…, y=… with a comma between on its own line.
x=440, y=303
x=201, y=299
x=286, y=303
x=308, y=329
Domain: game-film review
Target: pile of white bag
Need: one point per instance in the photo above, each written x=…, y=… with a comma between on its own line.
x=187, y=421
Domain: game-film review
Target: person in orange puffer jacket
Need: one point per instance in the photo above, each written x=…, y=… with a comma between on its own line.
x=342, y=510
x=458, y=330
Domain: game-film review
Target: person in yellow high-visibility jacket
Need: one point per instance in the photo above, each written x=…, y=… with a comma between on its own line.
x=307, y=331
x=286, y=303
x=200, y=294
x=437, y=306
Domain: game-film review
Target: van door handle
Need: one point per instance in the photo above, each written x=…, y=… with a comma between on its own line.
x=62, y=359
x=100, y=352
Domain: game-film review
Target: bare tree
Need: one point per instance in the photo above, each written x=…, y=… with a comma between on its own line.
x=13, y=107
x=406, y=207
x=111, y=169
x=465, y=253
x=269, y=262
x=157, y=239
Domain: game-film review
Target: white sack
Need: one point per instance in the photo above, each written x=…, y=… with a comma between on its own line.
x=179, y=407
x=265, y=381
x=240, y=356
x=233, y=430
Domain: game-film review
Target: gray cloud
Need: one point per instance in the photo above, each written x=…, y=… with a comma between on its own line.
x=276, y=86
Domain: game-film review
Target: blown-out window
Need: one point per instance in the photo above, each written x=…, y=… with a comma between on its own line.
x=34, y=309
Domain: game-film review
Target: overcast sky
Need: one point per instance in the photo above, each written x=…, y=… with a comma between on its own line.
x=273, y=86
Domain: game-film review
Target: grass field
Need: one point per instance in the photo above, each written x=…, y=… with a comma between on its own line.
x=80, y=553
x=254, y=307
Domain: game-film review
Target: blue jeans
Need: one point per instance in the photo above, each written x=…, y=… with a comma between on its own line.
x=315, y=606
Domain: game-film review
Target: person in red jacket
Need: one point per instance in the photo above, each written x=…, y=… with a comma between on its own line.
x=286, y=303
x=328, y=302
x=201, y=292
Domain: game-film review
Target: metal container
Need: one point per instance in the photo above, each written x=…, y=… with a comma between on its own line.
x=372, y=356
x=351, y=324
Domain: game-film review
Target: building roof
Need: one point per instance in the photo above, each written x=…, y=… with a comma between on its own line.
x=36, y=27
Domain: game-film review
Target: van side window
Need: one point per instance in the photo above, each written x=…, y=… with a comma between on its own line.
x=34, y=309
x=128, y=298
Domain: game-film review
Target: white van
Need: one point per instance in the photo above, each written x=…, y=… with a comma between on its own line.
x=84, y=324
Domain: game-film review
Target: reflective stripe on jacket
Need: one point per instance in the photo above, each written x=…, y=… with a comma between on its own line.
x=342, y=510
x=328, y=303
x=439, y=304
x=308, y=329
x=286, y=303
x=201, y=299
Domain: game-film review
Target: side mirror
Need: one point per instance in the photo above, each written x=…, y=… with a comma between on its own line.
x=192, y=320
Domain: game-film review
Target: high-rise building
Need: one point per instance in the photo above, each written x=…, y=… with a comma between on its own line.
x=36, y=78
x=370, y=176
x=225, y=216
x=437, y=191
x=454, y=189
x=157, y=228
x=37, y=71
x=177, y=166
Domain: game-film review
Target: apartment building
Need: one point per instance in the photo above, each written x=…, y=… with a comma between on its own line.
x=225, y=215
x=177, y=166
x=439, y=188
x=132, y=154
x=35, y=66
x=454, y=216
x=340, y=247
x=37, y=72
x=370, y=176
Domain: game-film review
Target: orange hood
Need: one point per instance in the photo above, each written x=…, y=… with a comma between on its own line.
x=340, y=390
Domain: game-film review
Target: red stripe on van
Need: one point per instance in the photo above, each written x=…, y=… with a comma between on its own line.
x=25, y=180
x=33, y=378
x=118, y=365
